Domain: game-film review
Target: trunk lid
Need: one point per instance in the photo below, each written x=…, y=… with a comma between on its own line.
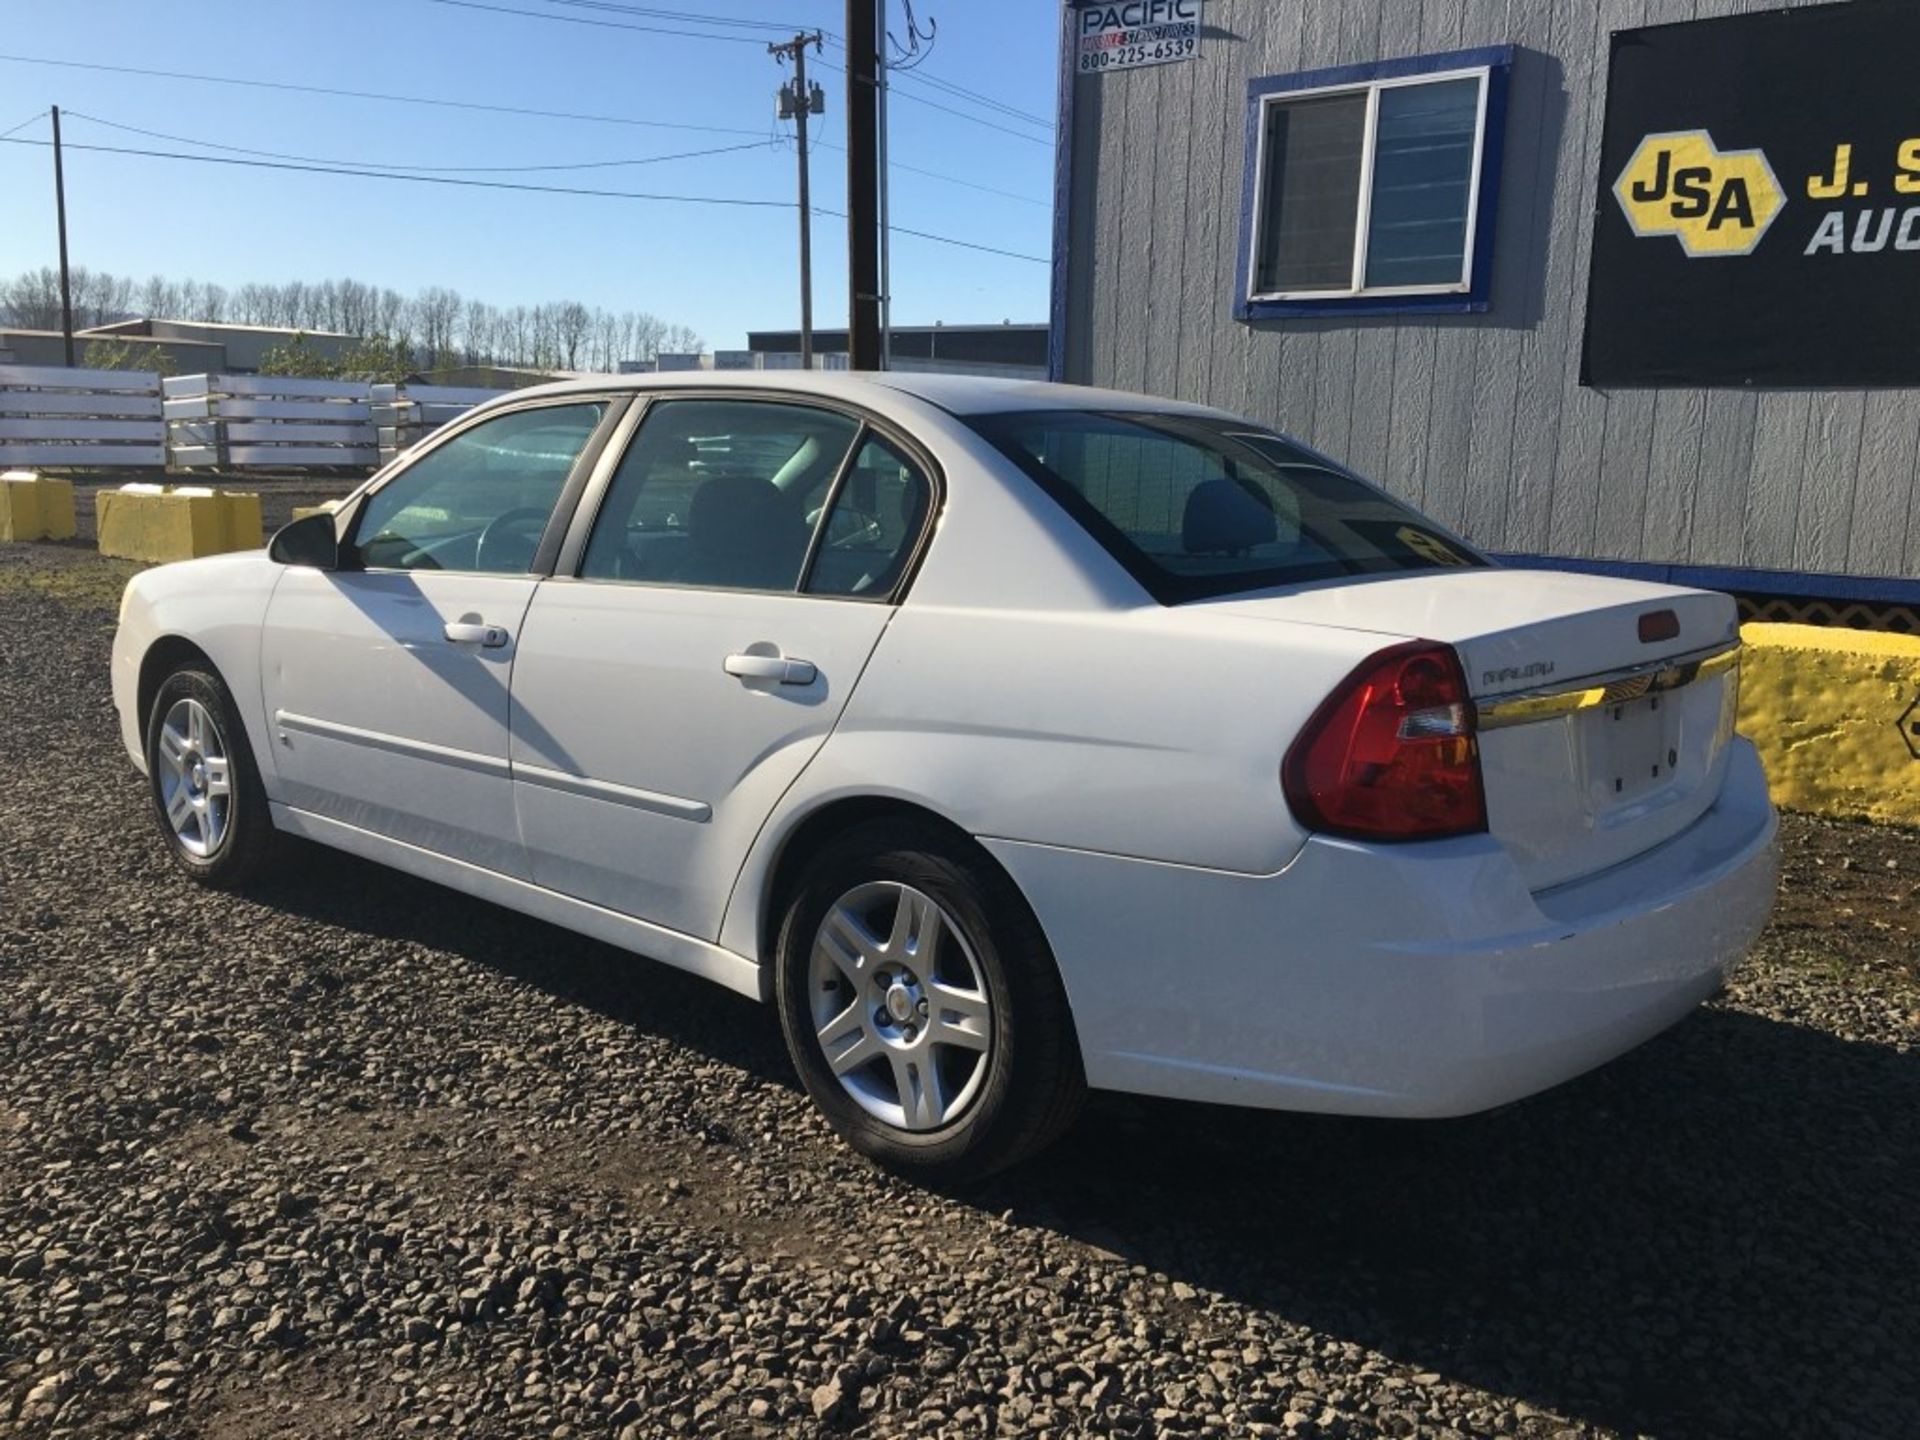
x=1596, y=744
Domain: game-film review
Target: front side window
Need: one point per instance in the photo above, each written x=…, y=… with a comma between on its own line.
x=1196, y=507
x=722, y=493
x=1371, y=188
x=479, y=502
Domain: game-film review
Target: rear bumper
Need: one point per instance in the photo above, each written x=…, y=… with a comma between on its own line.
x=1416, y=980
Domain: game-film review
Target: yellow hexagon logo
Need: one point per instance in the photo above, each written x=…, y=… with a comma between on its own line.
x=1713, y=202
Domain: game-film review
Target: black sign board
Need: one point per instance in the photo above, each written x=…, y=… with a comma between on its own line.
x=1759, y=210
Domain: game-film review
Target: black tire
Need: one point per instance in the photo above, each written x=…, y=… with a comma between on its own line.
x=246, y=841
x=1033, y=1083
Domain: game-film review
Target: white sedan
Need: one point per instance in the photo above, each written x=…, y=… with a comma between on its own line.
x=1010, y=738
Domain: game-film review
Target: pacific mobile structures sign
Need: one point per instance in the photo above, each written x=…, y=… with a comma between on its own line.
x=1138, y=32
x=1784, y=147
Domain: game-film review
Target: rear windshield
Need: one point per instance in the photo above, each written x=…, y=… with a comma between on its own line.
x=1195, y=507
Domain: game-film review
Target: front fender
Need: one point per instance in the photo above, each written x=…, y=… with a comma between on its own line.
x=217, y=605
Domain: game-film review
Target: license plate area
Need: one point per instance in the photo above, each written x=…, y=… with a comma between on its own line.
x=1636, y=747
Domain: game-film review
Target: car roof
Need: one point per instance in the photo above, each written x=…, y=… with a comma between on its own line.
x=956, y=394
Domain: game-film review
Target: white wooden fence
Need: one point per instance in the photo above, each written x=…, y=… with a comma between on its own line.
x=405, y=414
x=54, y=417
x=267, y=422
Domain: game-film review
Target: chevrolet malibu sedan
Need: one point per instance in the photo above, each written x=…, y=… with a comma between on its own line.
x=1010, y=739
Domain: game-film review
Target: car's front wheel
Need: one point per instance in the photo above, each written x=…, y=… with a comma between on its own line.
x=921, y=1004
x=206, y=789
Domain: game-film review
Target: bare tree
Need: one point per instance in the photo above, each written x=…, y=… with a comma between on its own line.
x=435, y=315
x=571, y=323
x=160, y=296
x=32, y=299
x=437, y=326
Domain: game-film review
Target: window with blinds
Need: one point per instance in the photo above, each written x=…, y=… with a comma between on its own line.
x=1370, y=189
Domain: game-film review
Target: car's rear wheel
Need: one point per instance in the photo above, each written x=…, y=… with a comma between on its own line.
x=206, y=789
x=921, y=1004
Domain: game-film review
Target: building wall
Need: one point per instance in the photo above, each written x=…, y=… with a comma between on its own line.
x=47, y=347
x=1478, y=419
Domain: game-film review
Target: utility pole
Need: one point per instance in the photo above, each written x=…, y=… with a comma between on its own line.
x=797, y=102
x=60, y=209
x=864, y=38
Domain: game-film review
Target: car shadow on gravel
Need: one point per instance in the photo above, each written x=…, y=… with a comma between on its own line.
x=357, y=895
x=1707, y=1236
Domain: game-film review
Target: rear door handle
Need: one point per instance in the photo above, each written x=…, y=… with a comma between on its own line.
x=472, y=632
x=771, y=667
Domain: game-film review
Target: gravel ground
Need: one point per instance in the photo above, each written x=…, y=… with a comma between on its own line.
x=358, y=1156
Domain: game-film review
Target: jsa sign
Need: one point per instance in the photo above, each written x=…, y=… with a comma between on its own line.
x=1760, y=221
x=1140, y=32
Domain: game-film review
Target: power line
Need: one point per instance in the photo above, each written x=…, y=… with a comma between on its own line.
x=691, y=16
x=23, y=124
x=511, y=185
x=966, y=244
x=419, y=179
x=379, y=95
x=935, y=104
x=1012, y=111
x=945, y=85
x=581, y=117
x=408, y=165
x=918, y=73
x=947, y=179
x=602, y=24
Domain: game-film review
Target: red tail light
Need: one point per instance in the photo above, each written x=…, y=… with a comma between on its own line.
x=1391, y=754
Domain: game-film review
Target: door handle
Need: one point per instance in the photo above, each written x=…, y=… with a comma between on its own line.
x=472, y=632
x=770, y=667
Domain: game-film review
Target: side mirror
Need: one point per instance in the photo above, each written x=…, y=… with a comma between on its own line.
x=307, y=541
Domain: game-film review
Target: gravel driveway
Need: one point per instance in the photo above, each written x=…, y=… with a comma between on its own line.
x=358, y=1156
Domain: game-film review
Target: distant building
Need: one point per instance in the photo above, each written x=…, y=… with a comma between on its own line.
x=48, y=347
x=1012, y=351
x=242, y=347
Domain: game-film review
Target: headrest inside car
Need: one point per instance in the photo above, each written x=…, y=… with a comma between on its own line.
x=1224, y=517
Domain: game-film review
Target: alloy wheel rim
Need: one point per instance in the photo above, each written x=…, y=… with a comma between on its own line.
x=900, y=1008
x=196, y=780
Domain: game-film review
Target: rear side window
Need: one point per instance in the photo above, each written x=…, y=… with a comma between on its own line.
x=1195, y=507
x=876, y=516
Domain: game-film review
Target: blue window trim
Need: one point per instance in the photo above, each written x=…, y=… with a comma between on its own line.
x=1870, y=589
x=1498, y=61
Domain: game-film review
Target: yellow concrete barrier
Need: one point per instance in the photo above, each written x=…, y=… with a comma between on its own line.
x=1836, y=716
x=157, y=524
x=325, y=507
x=35, y=507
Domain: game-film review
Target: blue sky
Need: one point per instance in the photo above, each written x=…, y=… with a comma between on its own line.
x=721, y=270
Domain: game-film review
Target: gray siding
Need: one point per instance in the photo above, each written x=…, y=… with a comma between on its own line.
x=1478, y=419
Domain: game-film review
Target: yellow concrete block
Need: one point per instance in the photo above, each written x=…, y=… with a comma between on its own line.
x=35, y=507
x=325, y=507
x=244, y=529
x=149, y=522
x=1836, y=716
